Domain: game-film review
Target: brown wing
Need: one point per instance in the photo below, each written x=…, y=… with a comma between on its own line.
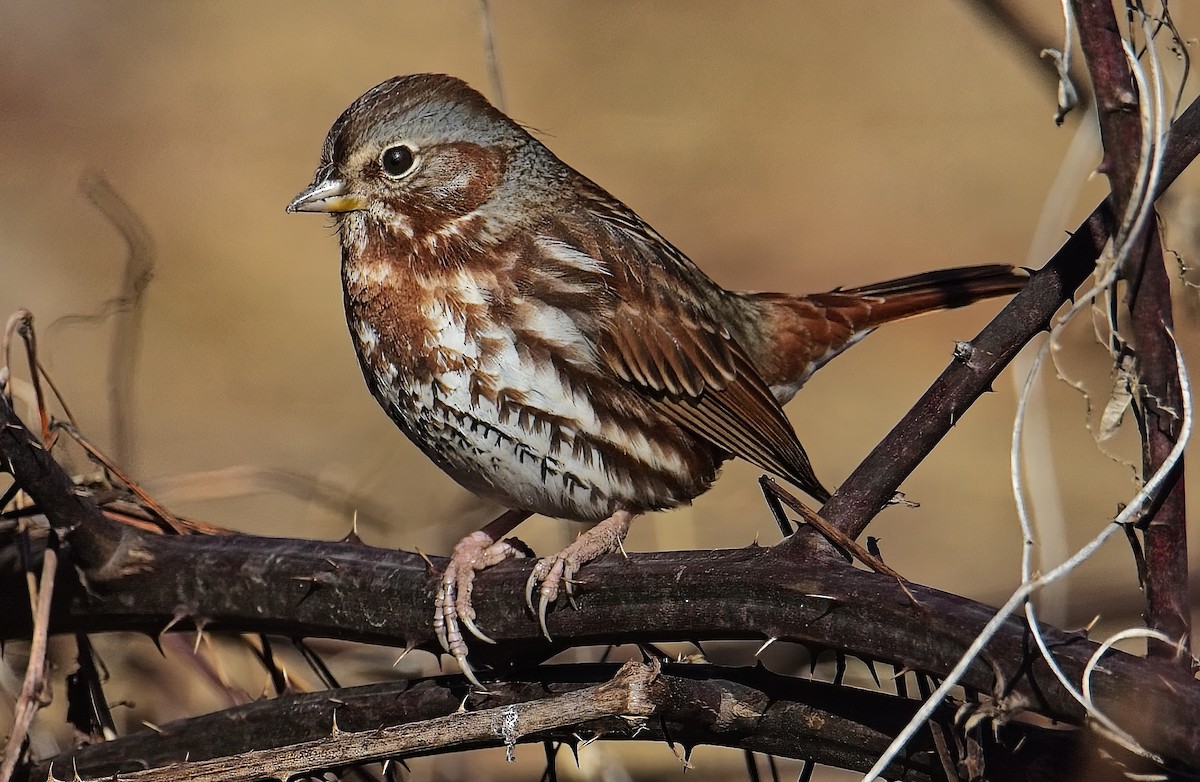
x=664, y=340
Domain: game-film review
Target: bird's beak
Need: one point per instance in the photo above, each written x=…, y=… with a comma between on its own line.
x=327, y=195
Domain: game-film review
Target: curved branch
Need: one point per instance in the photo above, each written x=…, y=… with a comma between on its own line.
x=351, y=591
x=747, y=708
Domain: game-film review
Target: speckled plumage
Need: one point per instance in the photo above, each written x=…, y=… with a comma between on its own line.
x=545, y=346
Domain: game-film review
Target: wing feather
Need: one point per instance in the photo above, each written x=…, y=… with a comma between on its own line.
x=664, y=339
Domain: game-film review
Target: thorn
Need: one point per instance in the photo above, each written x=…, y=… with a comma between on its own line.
x=408, y=647
x=336, y=731
x=574, y=747
x=684, y=755
x=157, y=639
x=768, y=642
x=180, y=615
x=200, y=625
x=316, y=580
x=352, y=535
x=428, y=561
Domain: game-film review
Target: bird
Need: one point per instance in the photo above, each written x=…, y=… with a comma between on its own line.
x=551, y=351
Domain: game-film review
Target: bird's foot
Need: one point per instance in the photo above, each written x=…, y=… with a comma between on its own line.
x=452, y=603
x=557, y=572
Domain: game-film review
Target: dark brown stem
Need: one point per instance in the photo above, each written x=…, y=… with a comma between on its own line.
x=745, y=707
x=977, y=364
x=353, y=592
x=972, y=372
x=1168, y=605
x=1149, y=299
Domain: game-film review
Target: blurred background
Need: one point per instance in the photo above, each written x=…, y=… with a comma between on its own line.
x=783, y=146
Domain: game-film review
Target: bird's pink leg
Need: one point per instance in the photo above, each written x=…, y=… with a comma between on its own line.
x=557, y=571
x=452, y=603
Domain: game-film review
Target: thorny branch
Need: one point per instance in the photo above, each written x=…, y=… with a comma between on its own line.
x=973, y=369
x=1148, y=296
x=634, y=693
x=701, y=704
x=139, y=581
x=35, y=683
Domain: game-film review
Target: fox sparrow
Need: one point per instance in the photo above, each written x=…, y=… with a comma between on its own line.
x=550, y=350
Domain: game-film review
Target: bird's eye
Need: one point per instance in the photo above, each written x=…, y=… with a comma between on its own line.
x=397, y=161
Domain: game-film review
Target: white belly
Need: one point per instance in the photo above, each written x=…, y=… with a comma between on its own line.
x=488, y=441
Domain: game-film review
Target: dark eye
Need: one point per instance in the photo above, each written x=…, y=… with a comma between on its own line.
x=397, y=161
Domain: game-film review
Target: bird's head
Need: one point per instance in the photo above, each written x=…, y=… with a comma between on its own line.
x=413, y=155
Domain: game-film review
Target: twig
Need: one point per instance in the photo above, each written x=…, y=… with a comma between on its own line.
x=34, y=684
x=242, y=480
x=126, y=305
x=62, y=402
x=167, y=517
x=739, y=707
x=493, y=61
x=1012, y=21
x=831, y=533
x=21, y=323
x=382, y=597
x=634, y=693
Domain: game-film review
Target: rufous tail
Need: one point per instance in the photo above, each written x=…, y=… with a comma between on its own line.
x=804, y=332
x=944, y=289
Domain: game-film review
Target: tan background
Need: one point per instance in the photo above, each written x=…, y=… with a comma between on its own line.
x=788, y=146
